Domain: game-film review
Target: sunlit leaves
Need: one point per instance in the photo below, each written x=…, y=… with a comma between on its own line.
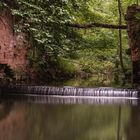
x=44, y=22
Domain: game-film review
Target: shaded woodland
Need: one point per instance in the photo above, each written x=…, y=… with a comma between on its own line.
x=79, y=38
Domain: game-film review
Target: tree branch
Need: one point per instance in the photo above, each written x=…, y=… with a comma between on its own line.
x=93, y=24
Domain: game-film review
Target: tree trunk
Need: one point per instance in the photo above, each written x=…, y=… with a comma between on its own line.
x=120, y=39
x=133, y=24
x=94, y=24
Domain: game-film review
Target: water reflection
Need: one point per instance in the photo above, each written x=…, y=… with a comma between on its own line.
x=5, y=108
x=13, y=121
x=31, y=121
x=133, y=127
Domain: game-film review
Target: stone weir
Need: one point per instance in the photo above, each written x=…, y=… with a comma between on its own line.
x=68, y=91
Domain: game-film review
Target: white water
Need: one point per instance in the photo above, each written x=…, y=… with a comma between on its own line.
x=73, y=91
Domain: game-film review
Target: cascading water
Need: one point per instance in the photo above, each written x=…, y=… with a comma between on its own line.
x=73, y=95
x=70, y=91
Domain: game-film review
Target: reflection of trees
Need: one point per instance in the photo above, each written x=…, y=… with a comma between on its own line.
x=133, y=128
x=13, y=123
x=119, y=124
x=73, y=122
x=60, y=122
x=5, y=108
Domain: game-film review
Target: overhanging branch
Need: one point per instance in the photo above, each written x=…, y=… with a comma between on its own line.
x=93, y=24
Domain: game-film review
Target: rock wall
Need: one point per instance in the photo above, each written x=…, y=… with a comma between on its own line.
x=133, y=23
x=13, y=48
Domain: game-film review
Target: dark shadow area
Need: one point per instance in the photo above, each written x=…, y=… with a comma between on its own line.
x=133, y=127
x=5, y=108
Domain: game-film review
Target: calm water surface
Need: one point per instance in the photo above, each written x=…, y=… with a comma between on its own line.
x=24, y=120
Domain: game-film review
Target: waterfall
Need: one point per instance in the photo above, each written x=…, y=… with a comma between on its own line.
x=70, y=91
x=70, y=95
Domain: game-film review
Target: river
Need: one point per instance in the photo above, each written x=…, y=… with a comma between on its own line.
x=37, y=119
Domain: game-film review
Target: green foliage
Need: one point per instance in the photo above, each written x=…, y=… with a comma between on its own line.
x=94, y=49
x=3, y=5
x=44, y=22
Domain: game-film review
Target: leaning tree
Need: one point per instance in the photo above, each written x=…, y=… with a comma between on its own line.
x=133, y=28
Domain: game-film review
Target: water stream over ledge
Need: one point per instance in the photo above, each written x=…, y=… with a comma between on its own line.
x=71, y=95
